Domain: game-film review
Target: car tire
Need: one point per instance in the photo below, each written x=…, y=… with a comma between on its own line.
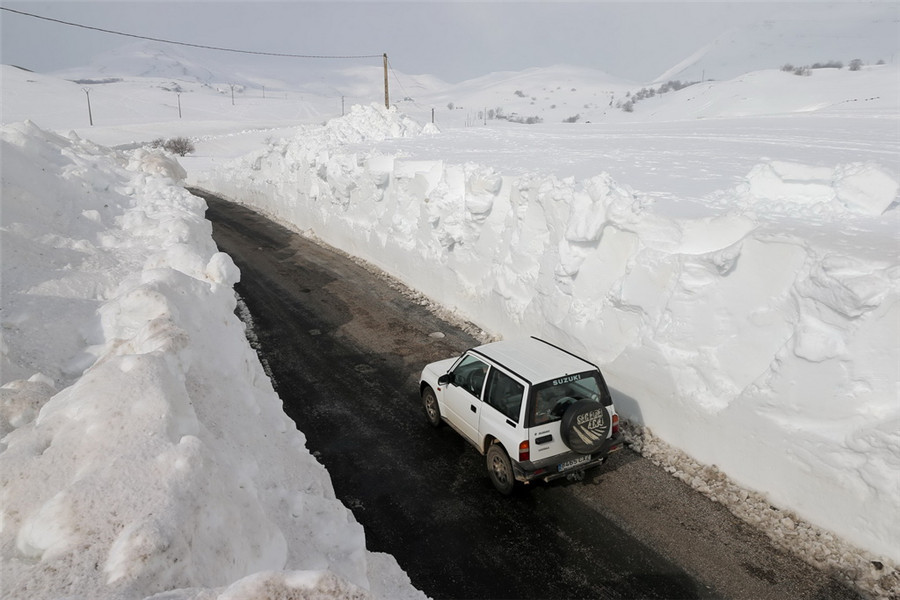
x=432, y=409
x=500, y=469
x=584, y=426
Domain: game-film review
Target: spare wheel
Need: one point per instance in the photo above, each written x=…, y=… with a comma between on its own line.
x=584, y=426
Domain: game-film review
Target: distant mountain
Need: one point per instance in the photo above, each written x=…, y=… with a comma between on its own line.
x=148, y=59
x=155, y=60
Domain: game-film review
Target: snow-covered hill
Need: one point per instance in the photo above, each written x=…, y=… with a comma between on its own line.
x=797, y=34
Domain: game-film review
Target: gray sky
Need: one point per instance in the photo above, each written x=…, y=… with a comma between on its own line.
x=452, y=40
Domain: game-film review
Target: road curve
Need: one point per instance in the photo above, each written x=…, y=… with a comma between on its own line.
x=344, y=348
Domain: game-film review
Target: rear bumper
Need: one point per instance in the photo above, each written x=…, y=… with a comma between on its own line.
x=527, y=472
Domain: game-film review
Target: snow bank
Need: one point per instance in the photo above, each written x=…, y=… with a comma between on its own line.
x=145, y=451
x=745, y=344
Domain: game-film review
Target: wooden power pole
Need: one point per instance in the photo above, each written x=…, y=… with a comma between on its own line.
x=87, y=93
x=387, y=101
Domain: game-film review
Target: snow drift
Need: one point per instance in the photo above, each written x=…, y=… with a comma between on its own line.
x=145, y=451
x=733, y=335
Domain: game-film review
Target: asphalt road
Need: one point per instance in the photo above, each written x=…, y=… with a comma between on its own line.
x=345, y=346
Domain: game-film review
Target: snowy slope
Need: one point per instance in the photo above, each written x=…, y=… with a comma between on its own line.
x=798, y=34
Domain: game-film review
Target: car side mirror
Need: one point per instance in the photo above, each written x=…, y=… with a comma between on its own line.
x=446, y=378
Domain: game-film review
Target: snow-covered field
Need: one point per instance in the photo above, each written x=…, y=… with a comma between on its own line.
x=728, y=252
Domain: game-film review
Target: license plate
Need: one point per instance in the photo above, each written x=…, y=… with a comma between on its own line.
x=574, y=462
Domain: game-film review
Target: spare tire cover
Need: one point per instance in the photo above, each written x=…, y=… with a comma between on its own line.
x=584, y=426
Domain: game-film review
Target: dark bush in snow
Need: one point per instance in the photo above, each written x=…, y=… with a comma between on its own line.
x=180, y=145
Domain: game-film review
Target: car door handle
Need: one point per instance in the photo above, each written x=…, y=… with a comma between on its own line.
x=473, y=409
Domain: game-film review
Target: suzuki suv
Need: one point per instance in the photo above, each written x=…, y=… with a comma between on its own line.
x=534, y=410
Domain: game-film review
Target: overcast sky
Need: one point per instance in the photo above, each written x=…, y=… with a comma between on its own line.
x=452, y=40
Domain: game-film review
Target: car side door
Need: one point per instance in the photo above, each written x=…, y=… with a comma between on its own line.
x=462, y=395
x=502, y=415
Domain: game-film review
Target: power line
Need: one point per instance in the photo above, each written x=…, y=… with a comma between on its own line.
x=153, y=39
x=400, y=83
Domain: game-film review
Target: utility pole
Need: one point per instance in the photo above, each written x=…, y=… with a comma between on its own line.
x=232, y=94
x=387, y=102
x=342, y=106
x=179, y=103
x=87, y=93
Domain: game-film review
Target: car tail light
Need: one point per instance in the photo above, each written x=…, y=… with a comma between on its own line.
x=615, y=425
x=524, y=451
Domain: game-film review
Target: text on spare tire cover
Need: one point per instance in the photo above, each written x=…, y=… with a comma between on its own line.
x=591, y=420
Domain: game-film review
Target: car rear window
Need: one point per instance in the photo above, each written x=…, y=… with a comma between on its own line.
x=551, y=398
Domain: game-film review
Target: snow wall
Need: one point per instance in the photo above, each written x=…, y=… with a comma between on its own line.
x=144, y=449
x=749, y=347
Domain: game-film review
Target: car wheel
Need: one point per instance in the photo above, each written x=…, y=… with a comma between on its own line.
x=500, y=469
x=584, y=426
x=432, y=410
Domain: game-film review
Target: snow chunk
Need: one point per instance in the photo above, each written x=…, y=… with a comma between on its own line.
x=865, y=188
x=222, y=270
x=156, y=162
x=21, y=400
x=370, y=122
x=805, y=190
x=288, y=585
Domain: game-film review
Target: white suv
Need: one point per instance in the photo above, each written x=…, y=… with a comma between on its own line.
x=533, y=409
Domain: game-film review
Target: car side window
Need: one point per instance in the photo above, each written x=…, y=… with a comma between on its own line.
x=469, y=374
x=504, y=393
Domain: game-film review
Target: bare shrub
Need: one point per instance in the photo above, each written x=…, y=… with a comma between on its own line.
x=180, y=146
